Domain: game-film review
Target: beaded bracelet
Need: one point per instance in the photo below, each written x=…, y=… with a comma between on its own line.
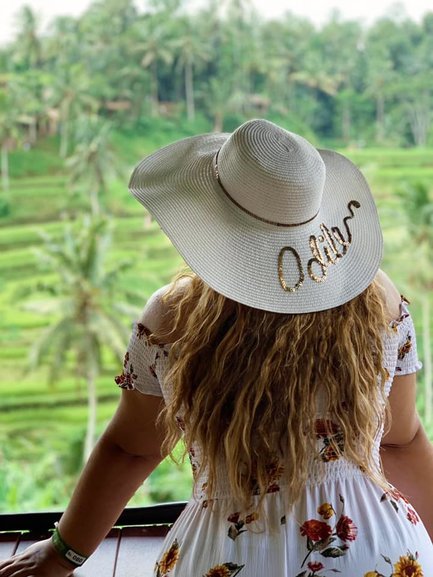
x=65, y=551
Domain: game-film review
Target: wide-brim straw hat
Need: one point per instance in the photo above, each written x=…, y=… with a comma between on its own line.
x=265, y=218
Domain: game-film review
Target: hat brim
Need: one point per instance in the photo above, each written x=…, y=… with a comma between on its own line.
x=238, y=255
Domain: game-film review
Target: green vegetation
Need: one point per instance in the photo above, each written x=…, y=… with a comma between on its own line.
x=43, y=427
x=82, y=104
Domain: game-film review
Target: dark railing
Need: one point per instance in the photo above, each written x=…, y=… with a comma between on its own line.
x=129, y=550
x=162, y=514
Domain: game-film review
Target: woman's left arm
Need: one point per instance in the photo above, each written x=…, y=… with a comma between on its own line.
x=406, y=452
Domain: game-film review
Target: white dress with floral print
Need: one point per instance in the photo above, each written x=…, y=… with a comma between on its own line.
x=343, y=524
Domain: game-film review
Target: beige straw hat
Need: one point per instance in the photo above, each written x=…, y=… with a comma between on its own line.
x=265, y=218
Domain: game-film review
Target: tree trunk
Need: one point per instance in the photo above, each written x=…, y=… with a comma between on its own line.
x=147, y=220
x=5, y=167
x=347, y=122
x=290, y=93
x=218, y=121
x=33, y=135
x=380, y=117
x=102, y=189
x=155, y=96
x=94, y=202
x=428, y=376
x=91, y=416
x=64, y=130
x=419, y=118
x=189, y=90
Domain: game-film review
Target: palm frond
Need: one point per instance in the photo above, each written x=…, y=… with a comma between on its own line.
x=47, y=341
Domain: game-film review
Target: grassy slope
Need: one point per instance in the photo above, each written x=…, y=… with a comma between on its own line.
x=31, y=411
x=39, y=194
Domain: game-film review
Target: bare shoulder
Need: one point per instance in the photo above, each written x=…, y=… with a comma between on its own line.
x=391, y=294
x=157, y=314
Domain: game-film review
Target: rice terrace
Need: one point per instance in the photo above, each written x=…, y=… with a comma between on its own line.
x=79, y=256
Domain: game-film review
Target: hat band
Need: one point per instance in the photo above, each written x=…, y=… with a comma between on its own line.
x=217, y=176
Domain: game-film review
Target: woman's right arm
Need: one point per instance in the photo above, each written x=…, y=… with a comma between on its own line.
x=123, y=458
x=407, y=453
x=125, y=455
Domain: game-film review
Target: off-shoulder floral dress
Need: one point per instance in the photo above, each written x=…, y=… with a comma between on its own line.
x=343, y=523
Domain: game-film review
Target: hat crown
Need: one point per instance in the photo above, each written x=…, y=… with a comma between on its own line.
x=272, y=173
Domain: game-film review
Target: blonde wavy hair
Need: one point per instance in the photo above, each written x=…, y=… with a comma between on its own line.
x=246, y=383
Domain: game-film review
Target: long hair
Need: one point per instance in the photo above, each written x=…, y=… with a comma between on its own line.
x=246, y=382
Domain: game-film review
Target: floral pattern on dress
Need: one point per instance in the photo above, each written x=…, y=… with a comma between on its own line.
x=394, y=497
x=195, y=465
x=127, y=378
x=326, y=510
x=193, y=462
x=405, y=347
x=403, y=315
x=315, y=568
x=238, y=523
x=330, y=435
x=224, y=570
x=322, y=536
x=142, y=331
x=152, y=369
x=168, y=560
x=205, y=502
x=406, y=566
x=274, y=471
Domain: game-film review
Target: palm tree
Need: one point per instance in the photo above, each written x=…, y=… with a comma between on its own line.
x=238, y=37
x=107, y=47
x=191, y=49
x=9, y=127
x=340, y=44
x=391, y=56
x=315, y=78
x=86, y=299
x=156, y=48
x=418, y=206
x=93, y=162
x=218, y=102
x=106, y=20
x=30, y=98
x=416, y=97
x=379, y=76
x=71, y=92
x=284, y=45
x=28, y=48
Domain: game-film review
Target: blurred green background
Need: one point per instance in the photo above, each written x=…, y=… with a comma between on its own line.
x=83, y=102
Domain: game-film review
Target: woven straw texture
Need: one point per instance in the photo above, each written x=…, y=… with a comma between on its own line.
x=276, y=176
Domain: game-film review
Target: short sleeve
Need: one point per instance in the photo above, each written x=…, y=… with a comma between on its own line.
x=139, y=364
x=407, y=356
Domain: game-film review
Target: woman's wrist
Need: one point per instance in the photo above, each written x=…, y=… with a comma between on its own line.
x=65, y=551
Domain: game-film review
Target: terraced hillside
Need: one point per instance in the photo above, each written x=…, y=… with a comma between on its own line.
x=41, y=427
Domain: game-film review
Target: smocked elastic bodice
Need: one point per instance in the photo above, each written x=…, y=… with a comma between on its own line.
x=325, y=466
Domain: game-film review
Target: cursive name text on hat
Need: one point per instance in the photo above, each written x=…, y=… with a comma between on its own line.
x=333, y=244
